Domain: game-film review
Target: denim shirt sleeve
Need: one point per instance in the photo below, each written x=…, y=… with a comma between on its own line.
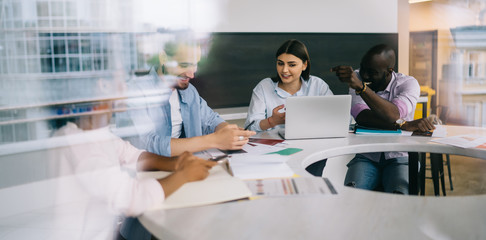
x=209, y=118
x=198, y=118
x=157, y=140
x=158, y=144
x=152, y=123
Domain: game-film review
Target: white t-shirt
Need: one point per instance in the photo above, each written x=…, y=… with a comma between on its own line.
x=175, y=113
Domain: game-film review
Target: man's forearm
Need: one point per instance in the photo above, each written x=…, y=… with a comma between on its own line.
x=386, y=110
x=148, y=161
x=368, y=118
x=194, y=144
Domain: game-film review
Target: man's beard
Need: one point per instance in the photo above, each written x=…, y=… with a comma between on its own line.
x=182, y=82
x=183, y=87
x=375, y=86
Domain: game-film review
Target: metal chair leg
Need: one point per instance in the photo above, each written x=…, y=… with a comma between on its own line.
x=413, y=158
x=448, y=162
x=441, y=175
x=434, y=170
x=422, y=158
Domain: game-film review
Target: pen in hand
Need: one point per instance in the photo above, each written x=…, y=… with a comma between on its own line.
x=249, y=125
x=219, y=158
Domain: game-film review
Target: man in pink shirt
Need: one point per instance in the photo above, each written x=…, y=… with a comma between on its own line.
x=381, y=99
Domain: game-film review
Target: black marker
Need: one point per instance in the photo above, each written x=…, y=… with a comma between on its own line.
x=249, y=125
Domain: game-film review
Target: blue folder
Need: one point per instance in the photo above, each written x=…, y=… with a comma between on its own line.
x=374, y=131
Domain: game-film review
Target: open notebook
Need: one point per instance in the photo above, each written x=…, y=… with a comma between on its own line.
x=218, y=187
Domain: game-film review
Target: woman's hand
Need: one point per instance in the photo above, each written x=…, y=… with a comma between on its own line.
x=277, y=116
x=193, y=168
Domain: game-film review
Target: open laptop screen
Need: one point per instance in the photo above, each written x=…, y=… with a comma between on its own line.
x=317, y=116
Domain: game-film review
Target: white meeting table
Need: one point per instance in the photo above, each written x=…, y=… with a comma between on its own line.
x=351, y=214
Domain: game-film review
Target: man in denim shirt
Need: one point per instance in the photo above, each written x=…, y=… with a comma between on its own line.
x=188, y=123
x=386, y=100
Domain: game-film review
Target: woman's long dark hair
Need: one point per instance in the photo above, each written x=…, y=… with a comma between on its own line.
x=298, y=49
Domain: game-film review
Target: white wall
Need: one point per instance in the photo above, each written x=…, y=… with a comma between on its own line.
x=428, y=16
x=343, y=16
x=403, y=36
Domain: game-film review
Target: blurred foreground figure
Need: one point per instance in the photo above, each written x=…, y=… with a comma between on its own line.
x=100, y=170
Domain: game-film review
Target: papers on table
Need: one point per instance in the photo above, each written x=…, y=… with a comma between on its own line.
x=291, y=186
x=259, y=159
x=439, y=131
x=255, y=171
x=252, y=166
x=263, y=159
x=464, y=141
x=259, y=148
x=482, y=146
x=218, y=187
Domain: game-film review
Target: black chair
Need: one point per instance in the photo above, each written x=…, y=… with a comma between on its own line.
x=436, y=164
x=437, y=172
x=436, y=169
x=443, y=116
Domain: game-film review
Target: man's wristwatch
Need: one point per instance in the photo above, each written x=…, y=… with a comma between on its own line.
x=358, y=92
x=399, y=123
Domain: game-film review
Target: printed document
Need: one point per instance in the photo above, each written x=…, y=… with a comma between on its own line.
x=464, y=141
x=291, y=186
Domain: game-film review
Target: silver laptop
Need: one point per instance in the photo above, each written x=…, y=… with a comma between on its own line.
x=317, y=117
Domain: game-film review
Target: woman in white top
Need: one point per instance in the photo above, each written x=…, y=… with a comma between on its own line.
x=293, y=79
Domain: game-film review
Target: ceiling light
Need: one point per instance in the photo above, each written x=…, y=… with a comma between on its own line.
x=417, y=1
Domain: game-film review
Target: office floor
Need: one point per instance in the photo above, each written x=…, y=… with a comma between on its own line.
x=468, y=177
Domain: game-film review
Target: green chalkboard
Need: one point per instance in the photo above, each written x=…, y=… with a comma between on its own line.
x=236, y=62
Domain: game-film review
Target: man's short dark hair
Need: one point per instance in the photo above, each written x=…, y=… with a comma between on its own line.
x=379, y=49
